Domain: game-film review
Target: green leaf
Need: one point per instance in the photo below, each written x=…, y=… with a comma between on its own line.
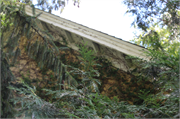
x=36, y=16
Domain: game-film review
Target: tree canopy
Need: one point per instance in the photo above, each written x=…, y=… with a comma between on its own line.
x=49, y=5
x=148, y=12
x=159, y=21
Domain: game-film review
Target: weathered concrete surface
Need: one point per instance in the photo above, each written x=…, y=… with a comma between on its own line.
x=115, y=57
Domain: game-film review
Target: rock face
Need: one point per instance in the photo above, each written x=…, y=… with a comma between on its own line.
x=114, y=81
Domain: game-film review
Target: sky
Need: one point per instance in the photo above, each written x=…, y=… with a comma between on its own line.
x=107, y=16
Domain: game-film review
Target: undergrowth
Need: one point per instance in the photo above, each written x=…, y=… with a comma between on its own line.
x=85, y=101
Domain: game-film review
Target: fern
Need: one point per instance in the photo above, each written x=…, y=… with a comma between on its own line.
x=33, y=105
